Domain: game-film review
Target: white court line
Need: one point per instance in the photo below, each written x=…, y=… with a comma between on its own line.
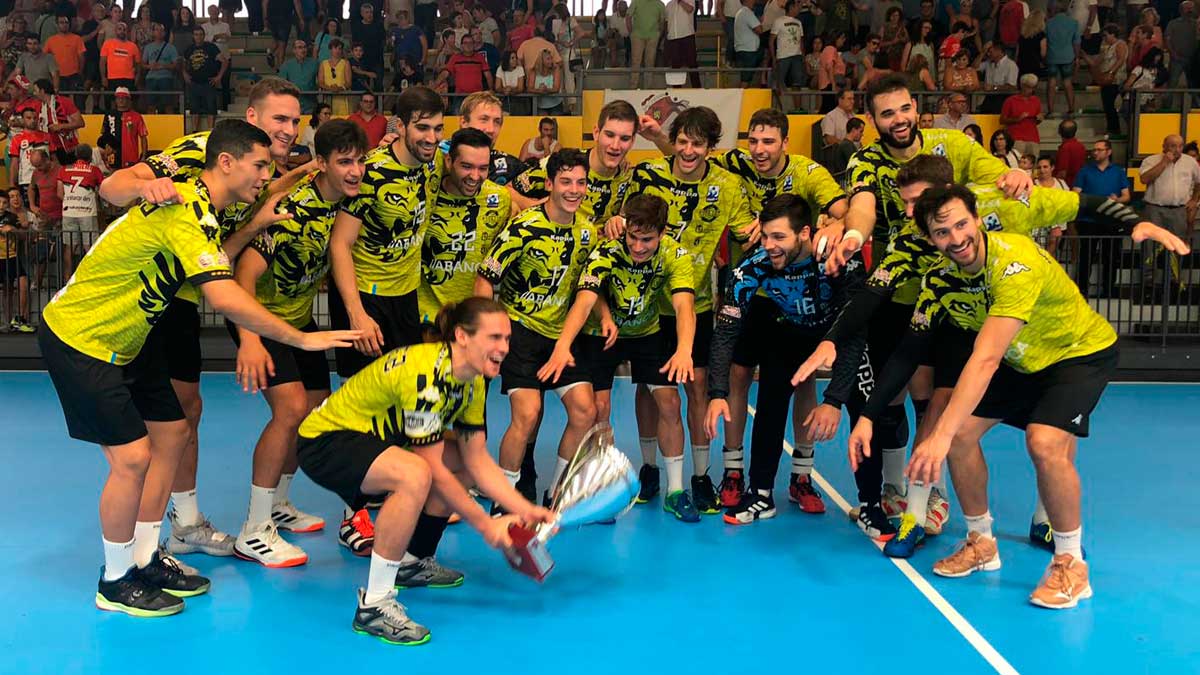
x=964, y=627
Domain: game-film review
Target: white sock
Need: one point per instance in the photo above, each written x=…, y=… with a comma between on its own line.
x=281, y=492
x=185, y=507
x=382, y=578
x=802, y=460
x=649, y=450
x=893, y=467
x=763, y=493
x=409, y=559
x=1069, y=542
x=981, y=524
x=145, y=541
x=1039, y=512
x=118, y=558
x=700, y=460
x=918, y=501
x=512, y=476
x=559, y=469
x=674, y=473
x=261, y=500
x=734, y=458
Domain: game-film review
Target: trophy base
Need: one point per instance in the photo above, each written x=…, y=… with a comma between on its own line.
x=528, y=554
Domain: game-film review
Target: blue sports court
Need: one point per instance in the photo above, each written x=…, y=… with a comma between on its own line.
x=798, y=593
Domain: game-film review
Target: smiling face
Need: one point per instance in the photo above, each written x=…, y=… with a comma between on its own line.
x=957, y=234
x=486, y=117
x=484, y=351
x=642, y=242
x=279, y=116
x=568, y=189
x=690, y=155
x=422, y=135
x=344, y=171
x=613, y=142
x=767, y=149
x=246, y=176
x=466, y=171
x=781, y=243
x=895, y=117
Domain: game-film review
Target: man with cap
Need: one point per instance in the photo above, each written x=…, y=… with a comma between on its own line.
x=127, y=129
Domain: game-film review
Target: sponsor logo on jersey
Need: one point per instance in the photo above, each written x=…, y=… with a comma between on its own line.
x=168, y=162
x=1013, y=269
x=991, y=222
x=585, y=237
x=429, y=394
x=940, y=150
x=420, y=424
x=493, y=201
x=709, y=213
x=787, y=183
x=714, y=194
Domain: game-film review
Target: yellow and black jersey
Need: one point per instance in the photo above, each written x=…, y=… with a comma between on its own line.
x=873, y=169
x=129, y=276
x=393, y=204
x=697, y=214
x=459, y=234
x=297, y=253
x=800, y=176
x=409, y=396
x=535, y=264
x=632, y=290
x=605, y=194
x=1019, y=280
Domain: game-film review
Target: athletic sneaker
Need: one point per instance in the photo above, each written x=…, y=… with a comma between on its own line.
x=874, y=522
x=388, y=621
x=802, y=492
x=907, y=539
x=201, y=537
x=357, y=533
x=893, y=501
x=976, y=554
x=733, y=485
x=1064, y=584
x=183, y=567
x=1042, y=535
x=937, y=512
x=679, y=504
x=135, y=596
x=263, y=545
x=704, y=495
x=753, y=506
x=428, y=573
x=20, y=325
x=649, y=479
x=164, y=573
x=292, y=519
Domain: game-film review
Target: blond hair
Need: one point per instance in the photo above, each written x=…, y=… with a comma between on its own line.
x=479, y=98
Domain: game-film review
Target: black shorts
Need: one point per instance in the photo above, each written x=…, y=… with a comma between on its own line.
x=292, y=364
x=645, y=355
x=398, y=317
x=281, y=27
x=701, y=346
x=339, y=460
x=756, y=333
x=1062, y=395
x=528, y=351
x=11, y=269
x=952, y=347
x=105, y=403
x=178, y=330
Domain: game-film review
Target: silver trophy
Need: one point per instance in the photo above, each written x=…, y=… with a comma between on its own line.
x=599, y=484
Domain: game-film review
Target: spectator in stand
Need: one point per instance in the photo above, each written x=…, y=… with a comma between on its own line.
x=44, y=24
x=59, y=118
x=301, y=70
x=921, y=41
x=960, y=76
x=1084, y=13
x=362, y=78
x=937, y=29
x=965, y=15
x=35, y=64
x=1032, y=46
x=1101, y=178
x=1001, y=147
x=973, y=132
x=13, y=276
x=956, y=115
x=406, y=75
x=108, y=27
x=68, y=50
x=787, y=51
x=510, y=81
x=20, y=150
x=1172, y=187
x=833, y=124
x=142, y=29
x=747, y=48
x=77, y=186
x=489, y=28
x=127, y=130
x=953, y=43
x=1071, y=154
x=1147, y=76
x=894, y=35
x=680, y=48
x=1012, y=15
x=925, y=121
x=1150, y=21
x=565, y=31
x=840, y=155
x=369, y=118
x=545, y=79
x=646, y=19
x=1180, y=38
x=999, y=77
x=531, y=51
x=622, y=25
x=489, y=52
x=219, y=31
x=371, y=33
x=832, y=68
x=12, y=42
x=46, y=207
x=1062, y=50
x=408, y=42
x=308, y=137
x=181, y=31
x=119, y=59
x=522, y=29
x=333, y=30
x=1108, y=71
x=542, y=145
x=281, y=17
x=468, y=69
x=161, y=63
x=334, y=76
x=726, y=10
x=203, y=67
x=1044, y=177
x=867, y=59
x=1021, y=114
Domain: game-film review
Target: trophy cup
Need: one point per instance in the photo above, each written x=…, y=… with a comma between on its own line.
x=599, y=484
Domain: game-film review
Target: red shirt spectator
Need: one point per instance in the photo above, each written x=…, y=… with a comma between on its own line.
x=1022, y=111
x=59, y=110
x=469, y=72
x=23, y=143
x=44, y=189
x=80, y=181
x=1070, y=159
x=517, y=36
x=375, y=127
x=1012, y=15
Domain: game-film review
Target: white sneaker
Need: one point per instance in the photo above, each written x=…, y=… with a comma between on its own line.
x=263, y=545
x=894, y=502
x=937, y=513
x=183, y=567
x=292, y=519
x=202, y=537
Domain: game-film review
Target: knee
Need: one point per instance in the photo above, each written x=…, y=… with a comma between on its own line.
x=410, y=476
x=668, y=404
x=132, y=459
x=290, y=411
x=1045, y=448
x=603, y=408
x=582, y=413
x=193, y=408
x=524, y=419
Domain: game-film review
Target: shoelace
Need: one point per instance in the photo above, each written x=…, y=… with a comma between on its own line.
x=1056, y=577
x=907, y=523
x=395, y=611
x=361, y=522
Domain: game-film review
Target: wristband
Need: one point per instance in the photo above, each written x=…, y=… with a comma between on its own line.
x=855, y=235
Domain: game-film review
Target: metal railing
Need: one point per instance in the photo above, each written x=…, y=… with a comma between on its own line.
x=384, y=100
x=655, y=78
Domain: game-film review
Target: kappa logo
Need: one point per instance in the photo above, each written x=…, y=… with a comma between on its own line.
x=1013, y=268
x=813, y=166
x=714, y=193
x=1077, y=420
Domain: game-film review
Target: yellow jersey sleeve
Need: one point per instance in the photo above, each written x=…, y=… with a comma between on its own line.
x=182, y=160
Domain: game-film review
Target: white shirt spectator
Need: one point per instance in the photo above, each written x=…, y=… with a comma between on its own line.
x=732, y=7
x=1079, y=12
x=947, y=122
x=744, y=37
x=834, y=123
x=510, y=78
x=772, y=11
x=680, y=21
x=486, y=27
x=1174, y=185
x=213, y=29
x=1000, y=73
x=789, y=37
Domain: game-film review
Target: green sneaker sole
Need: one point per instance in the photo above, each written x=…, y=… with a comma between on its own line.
x=413, y=643
x=456, y=584
x=188, y=594
x=109, y=606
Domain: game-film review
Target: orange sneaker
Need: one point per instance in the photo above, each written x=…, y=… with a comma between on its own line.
x=977, y=554
x=1064, y=584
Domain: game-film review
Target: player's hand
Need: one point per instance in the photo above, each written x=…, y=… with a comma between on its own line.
x=608, y=329
x=860, y=442
x=615, y=227
x=388, y=139
x=750, y=234
x=1016, y=183
x=534, y=514
x=650, y=129
x=560, y=359
x=827, y=236
x=254, y=366
x=371, y=340
x=925, y=465
x=841, y=254
x=718, y=408
x=1146, y=230
x=266, y=214
x=822, y=358
x=327, y=339
x=679, y=368
x=495, y=531
x=823, y=422
x=160, y=191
